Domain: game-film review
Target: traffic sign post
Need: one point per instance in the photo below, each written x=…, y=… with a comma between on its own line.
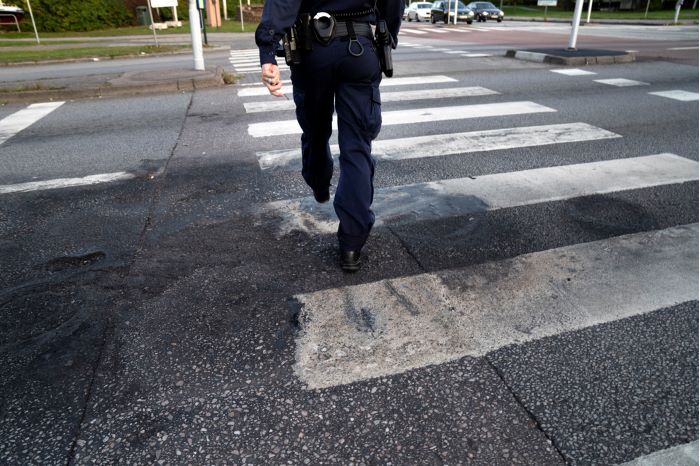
x=197, y=52
x=546, y=3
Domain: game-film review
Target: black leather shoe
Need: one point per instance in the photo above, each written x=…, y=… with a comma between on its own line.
x=350, y=261
x=322, y=196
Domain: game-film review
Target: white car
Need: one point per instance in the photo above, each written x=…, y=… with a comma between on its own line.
x=418, y=11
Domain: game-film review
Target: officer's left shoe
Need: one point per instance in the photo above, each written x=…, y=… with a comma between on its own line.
x=350, y=261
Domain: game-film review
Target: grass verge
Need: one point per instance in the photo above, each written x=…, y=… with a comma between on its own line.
x=227, y=26
x=18, y=56
x=553, y=12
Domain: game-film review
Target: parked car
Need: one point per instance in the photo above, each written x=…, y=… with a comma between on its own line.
x=485, y=10
x=444, y=11
x=418, y=11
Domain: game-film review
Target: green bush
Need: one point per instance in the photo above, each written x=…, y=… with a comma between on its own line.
x=78, y=15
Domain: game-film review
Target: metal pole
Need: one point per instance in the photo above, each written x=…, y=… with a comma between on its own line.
x=455, y=19
x=590, y=8
x=240, y=8
x=575, y=24
x=647, y=10
x=545, y=13
x=203, y=22
x=197, y=52
x=29, y=5
x=679, y=3
x=225, y=11
x=153, y=26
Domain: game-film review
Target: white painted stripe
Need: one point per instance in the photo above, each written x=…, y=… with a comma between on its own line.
x=683, y=96
x=457, y=143
x=680, y=455
x=284, y=81
x=392, y=326
x=632, y=51
x=456, y=52
x=415, y=115
x=621, y=82
x=407, y=81
x=420, y=94
x=573, y=72
x=246, y=63
x=65, y=182
x=244, y=70
x=412, y=31
x=476, y=55
x=466, y=196
x=22, y=119
x=461, y=30
x=684, y=48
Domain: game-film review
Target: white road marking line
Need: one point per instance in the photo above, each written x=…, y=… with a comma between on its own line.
x=620, y=82
x=411, y=31
x=22, y=119
x=420, y=94
x=407, y=81
x=392, y=326
x=573, y=72
x=476, y=55
x=683, y=96
x=65, y=182
x=632, y=51
x=467, y=196
x=284, y=81
x=458, y=143
x=451, y=52
x=415, y=115
x=686, y=454
x=684, y=48
x=461, y=30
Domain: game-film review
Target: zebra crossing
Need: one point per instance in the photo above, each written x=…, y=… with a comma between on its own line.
x=386, y=327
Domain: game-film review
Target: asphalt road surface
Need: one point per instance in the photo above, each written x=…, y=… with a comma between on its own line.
x=170, y=292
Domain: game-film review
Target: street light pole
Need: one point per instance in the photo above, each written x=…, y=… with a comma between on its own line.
x=577, y=21
x=153, y=26
x=29, y=5
x=196, y=34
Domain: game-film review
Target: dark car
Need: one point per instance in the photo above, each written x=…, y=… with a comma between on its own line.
x=485, y=10
x=444, y=11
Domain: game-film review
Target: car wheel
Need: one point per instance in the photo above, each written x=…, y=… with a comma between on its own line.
x=445, y=19
x=469, y=21
x=432, y=19
x=499, y=20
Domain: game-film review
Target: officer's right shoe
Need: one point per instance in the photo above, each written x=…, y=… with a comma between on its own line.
x=350, y=261
x=322, y=196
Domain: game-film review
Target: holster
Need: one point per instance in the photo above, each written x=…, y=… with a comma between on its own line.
x=384, y=43
x=296, y=40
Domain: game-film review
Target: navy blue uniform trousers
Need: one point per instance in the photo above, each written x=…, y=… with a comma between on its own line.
x=328, y=75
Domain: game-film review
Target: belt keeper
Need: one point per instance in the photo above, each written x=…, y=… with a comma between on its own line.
x=353, y=40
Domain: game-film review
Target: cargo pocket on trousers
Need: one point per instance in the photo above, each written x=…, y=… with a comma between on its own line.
x=374, y=117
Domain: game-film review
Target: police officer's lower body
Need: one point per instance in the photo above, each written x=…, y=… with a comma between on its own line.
x=331, y=73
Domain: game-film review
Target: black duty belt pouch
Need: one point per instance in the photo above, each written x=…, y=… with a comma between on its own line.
x=324, y=27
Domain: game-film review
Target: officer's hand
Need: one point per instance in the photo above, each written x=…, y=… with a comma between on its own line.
x=271, y=79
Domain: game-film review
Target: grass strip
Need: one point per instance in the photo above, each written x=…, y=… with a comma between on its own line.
x=227, y=26
x=553, y=12
x=16, y=56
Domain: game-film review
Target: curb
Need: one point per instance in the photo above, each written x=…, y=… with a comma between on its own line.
x=180, y=85
x=570, y=61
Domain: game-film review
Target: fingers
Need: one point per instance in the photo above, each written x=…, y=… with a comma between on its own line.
x=271, y=79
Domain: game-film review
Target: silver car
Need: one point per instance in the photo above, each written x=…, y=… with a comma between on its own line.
x=418, y=11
